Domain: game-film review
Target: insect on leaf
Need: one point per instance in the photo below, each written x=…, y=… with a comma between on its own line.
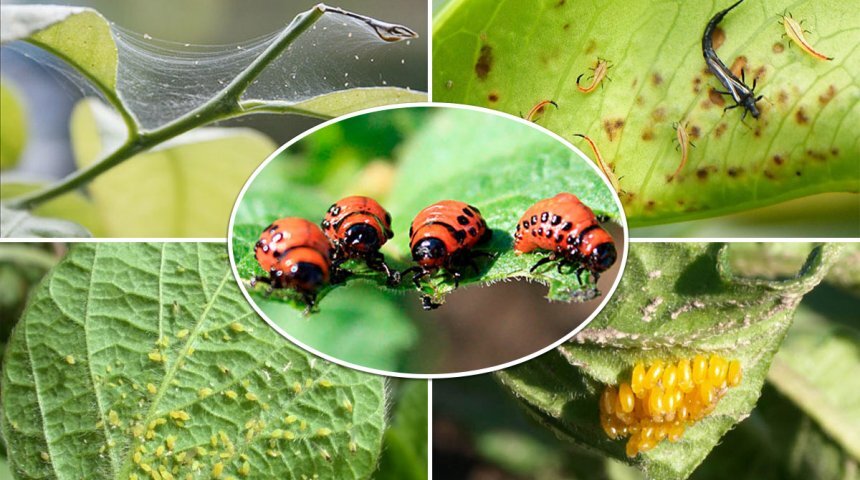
x=674, y=301
x=133, y=358
x=799, y=146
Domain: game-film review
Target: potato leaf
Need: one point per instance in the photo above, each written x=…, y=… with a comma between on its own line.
x=675, y=300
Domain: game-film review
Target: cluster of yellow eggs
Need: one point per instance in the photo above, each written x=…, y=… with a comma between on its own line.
x=660, y=401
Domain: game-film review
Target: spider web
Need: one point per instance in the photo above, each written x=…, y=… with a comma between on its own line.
x=159, y=81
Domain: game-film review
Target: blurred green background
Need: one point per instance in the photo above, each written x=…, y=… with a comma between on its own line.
x=481, y=432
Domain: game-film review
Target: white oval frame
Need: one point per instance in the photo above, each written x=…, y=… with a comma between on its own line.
x=428, y=376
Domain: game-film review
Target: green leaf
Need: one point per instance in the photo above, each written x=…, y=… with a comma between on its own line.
x=13, y=127
x=184, y=188
x=811, y=370
x=73, y=206
x=799, y=146
x=16, y=223
x=502, y=167
x=124, y=339
x=80, y=36
x=788, y=437
x=83, y=38
x=333, y=329
x=675, y=300
x=405, y=445
x=384, y=338
x=339, y=103
x=500, y=152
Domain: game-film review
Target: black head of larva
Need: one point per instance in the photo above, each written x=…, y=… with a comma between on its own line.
x=307, y=275
x=429, y=249
x=362, y=237
x=602, y=257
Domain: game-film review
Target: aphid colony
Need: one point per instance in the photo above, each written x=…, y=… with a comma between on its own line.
x=300, y=256
x=661, y=401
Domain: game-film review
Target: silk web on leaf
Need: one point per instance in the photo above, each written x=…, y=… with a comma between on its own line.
x=159, y=81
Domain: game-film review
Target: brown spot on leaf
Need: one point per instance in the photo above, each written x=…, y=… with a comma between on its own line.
x=703, y=172
x=716, y=97
x=639, y=100
x=659, y=114
x=767, y=173
x=635, y=82
x=647, y=134
x=738, y=65
x=612, y=127
x=800, y=116
x=695, y=132
x=760, y=73
x=485, y=62
x=718, y=37
x=697, y=84
x=797, y=173
x=778, y=47
x=782, y=97
x=720, y=130
x=565, y=26
x=834, y=151
x=735, y=172
x=650, y=205
x=560, y=3
x=827, y=96
x=590, y=47
x=656, y=79
x=777, y=159
x=493, y=97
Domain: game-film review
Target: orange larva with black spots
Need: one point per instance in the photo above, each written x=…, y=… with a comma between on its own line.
x=444, y=235
x=357, y=228
x=297, y=255
x=570, y=231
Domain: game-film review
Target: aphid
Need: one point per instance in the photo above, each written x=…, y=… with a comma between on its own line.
x=357, y=227
x=684, y=145
x=538, y=109
x=742, y=95
x=444, y=235
x=598, y=74
x=613, y=180
x=570, y=230
x=794, y=30
x=297, y=255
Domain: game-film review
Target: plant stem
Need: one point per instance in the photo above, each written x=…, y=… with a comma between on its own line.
x=226, y=104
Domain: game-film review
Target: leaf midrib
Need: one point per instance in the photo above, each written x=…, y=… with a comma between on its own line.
x=175, y=366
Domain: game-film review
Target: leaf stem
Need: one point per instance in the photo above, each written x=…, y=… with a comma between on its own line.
x=226, y=104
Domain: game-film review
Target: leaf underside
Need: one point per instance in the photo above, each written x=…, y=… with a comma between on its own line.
x=805, y=141
x=674, y=301
x=150, y=349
